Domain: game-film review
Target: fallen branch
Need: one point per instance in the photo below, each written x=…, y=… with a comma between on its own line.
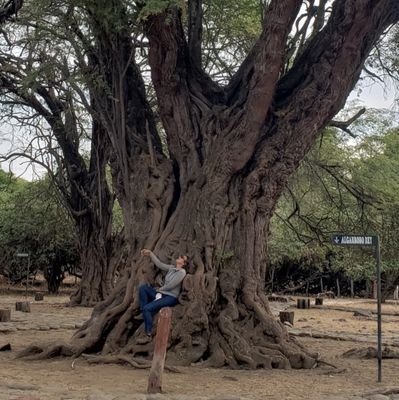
x=369, y=339
x=322, y=362
x=371, y=352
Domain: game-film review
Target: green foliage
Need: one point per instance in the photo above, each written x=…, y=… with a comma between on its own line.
x=117, y=218
x=154, y=7
x=230, y=30
x=223, y=258
x=350, y=187
x=32, y=221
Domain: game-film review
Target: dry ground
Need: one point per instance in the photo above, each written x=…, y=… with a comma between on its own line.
x=55, y=379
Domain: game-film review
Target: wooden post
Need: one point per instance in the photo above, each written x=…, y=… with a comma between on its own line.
x=374, y=294
x=303, y=303
x=287, y=316
x=39, y=297
x=5, y=315
x=161, y=343
x=352, y=289
x=319, y=301
x=396, y=293
x=272, y=279
x=23, y=306
x=338, y=288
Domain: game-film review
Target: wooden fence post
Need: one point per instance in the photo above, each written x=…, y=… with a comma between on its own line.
x=23, y=306
x=5, y=315
x=303, y=303
x=161, y=343
x=287, y=316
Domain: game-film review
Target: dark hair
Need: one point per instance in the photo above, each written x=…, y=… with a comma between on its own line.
x=185, y=258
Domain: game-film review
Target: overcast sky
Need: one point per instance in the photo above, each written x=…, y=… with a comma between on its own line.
x=373, y=96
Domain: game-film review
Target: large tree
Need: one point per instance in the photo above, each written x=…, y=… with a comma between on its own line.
x=230, y=151
x=43, y=98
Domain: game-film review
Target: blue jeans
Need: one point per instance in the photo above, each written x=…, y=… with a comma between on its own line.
x=149, y=306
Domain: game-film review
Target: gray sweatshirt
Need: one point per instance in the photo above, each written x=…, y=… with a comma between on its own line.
x=173, y=278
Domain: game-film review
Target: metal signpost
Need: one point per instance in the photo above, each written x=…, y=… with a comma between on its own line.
x=372, y=241
x=24, y=255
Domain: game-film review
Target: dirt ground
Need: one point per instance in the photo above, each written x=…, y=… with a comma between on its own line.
x=51, y=320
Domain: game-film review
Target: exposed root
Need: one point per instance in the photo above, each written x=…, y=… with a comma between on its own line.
x=42, y=351
x=219, y=325
x=135, y=362
x=335, y=371
x=322, y=362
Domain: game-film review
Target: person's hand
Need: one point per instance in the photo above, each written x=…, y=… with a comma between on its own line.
x=145, y=252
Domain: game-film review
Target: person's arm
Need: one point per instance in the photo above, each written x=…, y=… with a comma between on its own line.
x=175, y=281
x=160, y=264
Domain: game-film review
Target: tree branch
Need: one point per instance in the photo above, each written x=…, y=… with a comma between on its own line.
x=344, y=125
x=268, y=49
x=183, y=91
x=315, y=89
x=195, y=30
x=256, y=80
x=9, y=10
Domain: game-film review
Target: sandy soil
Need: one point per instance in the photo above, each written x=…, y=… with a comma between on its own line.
x=51, y=320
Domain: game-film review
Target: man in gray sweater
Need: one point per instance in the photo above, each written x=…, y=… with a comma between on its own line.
x=151, y=299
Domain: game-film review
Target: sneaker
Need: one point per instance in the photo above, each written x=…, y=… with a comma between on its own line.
x=145, y=339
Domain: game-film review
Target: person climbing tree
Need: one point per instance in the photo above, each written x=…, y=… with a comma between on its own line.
x=152, y=300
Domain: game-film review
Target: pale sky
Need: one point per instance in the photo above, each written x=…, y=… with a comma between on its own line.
x=373, y=96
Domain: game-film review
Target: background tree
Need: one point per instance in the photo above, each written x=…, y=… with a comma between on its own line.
x=32, y=221
x=343, y=185
x=230, y=152
x=43, y=97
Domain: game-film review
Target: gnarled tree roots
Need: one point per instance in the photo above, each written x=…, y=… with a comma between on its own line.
x=215, y=348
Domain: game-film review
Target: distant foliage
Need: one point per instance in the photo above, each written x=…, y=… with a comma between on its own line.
x=343, y=187
x=32, y=221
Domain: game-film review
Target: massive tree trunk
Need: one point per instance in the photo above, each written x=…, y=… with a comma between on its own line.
x=231, y=152
x=91, y=204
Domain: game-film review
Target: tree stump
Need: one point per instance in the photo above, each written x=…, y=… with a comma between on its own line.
x=303, y=303
x=23, y=306
x=319, y=301
x=287, y=316
x=5, y=315
x=39, y=297
x=161, y=343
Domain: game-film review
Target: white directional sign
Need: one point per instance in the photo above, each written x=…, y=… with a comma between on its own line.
x=368, y=240
x=354, y=240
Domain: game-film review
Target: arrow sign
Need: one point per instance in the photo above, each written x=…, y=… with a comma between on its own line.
x=354, y=240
